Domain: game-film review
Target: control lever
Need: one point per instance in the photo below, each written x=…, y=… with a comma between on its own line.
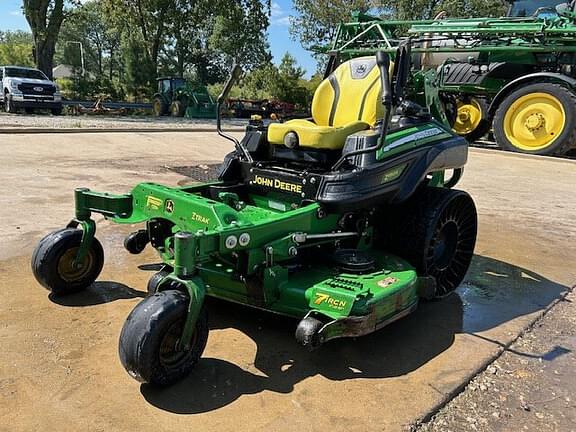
x=234, y=76
x=383, y=62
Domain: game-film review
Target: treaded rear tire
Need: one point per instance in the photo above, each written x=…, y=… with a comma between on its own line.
x=146, y=346
x=435, y=231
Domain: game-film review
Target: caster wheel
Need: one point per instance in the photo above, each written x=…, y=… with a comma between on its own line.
x=53, y=262
x=148, y=344
x=307, y=333
x=155, y=280
x=136, y=242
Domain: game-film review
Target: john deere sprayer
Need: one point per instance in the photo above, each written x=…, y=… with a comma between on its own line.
x=514, y=74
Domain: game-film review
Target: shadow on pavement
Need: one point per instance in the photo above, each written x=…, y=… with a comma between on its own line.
x=99, y=292
x=493, y=293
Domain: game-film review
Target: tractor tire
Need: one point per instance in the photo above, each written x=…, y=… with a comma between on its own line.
x=471, y=120
x=435, y=231
x=148, y=342
x=53, y=258
x=537, y=119
x=177, y=109
x=159, y=107
x=57, y=111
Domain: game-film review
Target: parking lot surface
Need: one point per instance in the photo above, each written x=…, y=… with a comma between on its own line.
x=59, y=368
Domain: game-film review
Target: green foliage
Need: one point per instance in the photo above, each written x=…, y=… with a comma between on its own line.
x=317, y=20
x=427, y=9
x=283, y=83
x=140, y=71
x=80, y=88
x=45, y=18
x=16, y=48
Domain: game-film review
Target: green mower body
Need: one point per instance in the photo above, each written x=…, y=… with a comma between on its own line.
x=346, y=241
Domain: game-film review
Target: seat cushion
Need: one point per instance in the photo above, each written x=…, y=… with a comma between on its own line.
x=313, y=136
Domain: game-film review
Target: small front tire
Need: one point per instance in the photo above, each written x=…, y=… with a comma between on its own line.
x=148, y=345
x=53, y=262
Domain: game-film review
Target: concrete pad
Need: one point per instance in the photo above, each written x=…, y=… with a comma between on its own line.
x=59, y=367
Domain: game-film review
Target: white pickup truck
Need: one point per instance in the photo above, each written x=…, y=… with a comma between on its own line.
x=30, y=89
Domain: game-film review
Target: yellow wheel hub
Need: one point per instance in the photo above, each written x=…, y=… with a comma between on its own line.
x=468, y=117
x=534, y=121
x=69, y=270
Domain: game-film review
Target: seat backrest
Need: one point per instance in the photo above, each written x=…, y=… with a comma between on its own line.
x=351, y=93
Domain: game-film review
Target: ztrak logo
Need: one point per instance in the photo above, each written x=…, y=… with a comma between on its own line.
x=169, y=206
x=331, y=302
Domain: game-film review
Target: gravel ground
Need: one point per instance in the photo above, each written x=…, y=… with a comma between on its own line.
x=9, y=121
x=531, y=387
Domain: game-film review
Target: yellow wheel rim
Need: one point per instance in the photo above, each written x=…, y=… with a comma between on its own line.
x=468, y=117
x=534, y=121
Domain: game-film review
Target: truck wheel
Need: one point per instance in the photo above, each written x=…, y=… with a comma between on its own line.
x=159, y=107
x=537, y=119
x=471, y=121
x=177, y=109
x=435, y=231
x=149, y=339
x=53, y=262
x=8, y=105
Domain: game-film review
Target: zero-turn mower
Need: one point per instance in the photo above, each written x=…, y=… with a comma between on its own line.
x=343, y=221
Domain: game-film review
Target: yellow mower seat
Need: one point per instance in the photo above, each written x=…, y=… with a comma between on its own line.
x=346, y=102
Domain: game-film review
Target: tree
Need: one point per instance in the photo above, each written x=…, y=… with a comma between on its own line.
x=100, y=41
x=427, y=9
x=16, y=48
x=317, y=20
x=290, y=86
x=45, y=18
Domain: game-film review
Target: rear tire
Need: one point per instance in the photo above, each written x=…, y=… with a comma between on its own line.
x=159, y=107
x=436, y=232
x=148, y=342
x=53, y=266
x=537, y=119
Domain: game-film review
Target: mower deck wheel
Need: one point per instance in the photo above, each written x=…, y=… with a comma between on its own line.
x=307, y=333
x=54, y=262
x=136, y=242
x=149, y=345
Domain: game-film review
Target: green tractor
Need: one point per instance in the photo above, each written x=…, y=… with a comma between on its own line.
x=515, y=75
x=181, y=98
x=343, y=222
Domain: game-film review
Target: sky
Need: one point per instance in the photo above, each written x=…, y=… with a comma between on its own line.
x=11, y=18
